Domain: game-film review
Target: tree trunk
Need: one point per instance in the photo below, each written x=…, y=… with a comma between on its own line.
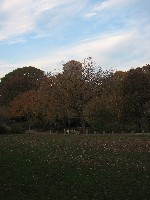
x=29, y=127
x=82, y=122
x=69, y=124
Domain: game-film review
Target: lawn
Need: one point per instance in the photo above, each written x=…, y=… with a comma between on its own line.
x=57, y=166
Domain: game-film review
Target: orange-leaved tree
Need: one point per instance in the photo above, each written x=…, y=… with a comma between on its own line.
x=25, y=105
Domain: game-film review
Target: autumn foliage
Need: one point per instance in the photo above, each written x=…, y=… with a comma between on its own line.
x=82, y=96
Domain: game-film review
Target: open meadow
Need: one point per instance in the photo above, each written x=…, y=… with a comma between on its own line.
x=58, y=166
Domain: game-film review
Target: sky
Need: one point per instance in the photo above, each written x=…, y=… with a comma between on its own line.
x=47, y=33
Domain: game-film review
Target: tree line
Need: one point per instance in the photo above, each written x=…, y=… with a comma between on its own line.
x=82, y=97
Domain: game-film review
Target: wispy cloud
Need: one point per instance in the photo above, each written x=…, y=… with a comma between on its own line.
x=123, y=49
x=116, y=33
x=111, y=4
x=5, y=68
x=21, y=17
x=90, y=14
x=108, y=8
x=17, y=19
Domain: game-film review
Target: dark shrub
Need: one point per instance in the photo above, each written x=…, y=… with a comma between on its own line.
x=4, y=129
x=17, y=129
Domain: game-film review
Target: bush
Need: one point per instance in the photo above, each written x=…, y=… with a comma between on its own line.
x=4, y=129
x=17, y=129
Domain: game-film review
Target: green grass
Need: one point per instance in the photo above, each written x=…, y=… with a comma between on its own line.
x=43, y=166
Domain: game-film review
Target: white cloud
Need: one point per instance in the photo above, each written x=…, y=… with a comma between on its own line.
x=90, y=14
x=19, y=17
x=121, y=50
x=124, y=49
x=110, y=4
x=5, y=68
x=108, y=8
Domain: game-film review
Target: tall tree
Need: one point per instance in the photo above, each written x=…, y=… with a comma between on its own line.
x=106, y=108
x=136, y=93
x=73, y=89
x=113, y=93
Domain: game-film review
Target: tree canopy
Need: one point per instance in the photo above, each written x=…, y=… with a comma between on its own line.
x=82, y=95
x=19, y=81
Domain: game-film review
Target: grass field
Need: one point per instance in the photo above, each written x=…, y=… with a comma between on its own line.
x=43, y=166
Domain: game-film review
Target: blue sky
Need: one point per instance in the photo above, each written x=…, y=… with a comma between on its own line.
x=47, y=33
